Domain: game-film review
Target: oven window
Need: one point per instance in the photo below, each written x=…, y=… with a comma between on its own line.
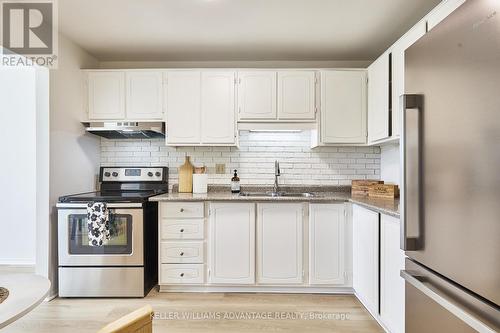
x=120, y=231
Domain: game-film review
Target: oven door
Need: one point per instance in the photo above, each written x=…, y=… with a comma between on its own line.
x=124, y=248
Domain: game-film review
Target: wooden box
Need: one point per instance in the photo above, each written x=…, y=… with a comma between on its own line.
x=362, y=186
x=385, y=191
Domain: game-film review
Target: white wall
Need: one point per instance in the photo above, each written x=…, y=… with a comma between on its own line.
x=254, y=159
x=390, y=164
x=25, y=156
x=74, y=155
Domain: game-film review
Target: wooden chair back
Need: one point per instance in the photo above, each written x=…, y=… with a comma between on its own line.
x=139, y=321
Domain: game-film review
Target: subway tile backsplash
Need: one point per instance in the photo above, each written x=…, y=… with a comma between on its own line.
x=254, y=159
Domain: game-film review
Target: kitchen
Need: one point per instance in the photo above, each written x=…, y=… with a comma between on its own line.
x=247, y=178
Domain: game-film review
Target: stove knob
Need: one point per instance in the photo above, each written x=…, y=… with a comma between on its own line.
x=107, y=174
x=150, y=174
x=115, y=174
x=158, y=174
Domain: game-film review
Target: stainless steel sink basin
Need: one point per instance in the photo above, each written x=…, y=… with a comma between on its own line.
x=298, y=195
x=277, y=194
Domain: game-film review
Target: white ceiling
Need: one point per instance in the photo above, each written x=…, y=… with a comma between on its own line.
x=238, y=30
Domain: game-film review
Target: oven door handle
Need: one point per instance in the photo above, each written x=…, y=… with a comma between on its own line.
x=446, y=302
x=109, y=205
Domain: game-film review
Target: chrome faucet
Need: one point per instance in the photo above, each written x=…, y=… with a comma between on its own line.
x=277, y=173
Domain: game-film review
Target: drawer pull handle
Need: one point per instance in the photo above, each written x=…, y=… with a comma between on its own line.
x=181, y=254
x=182, y=210
x=182, y=230
x=182, y=274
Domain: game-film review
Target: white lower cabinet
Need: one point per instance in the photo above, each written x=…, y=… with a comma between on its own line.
x=182, y=252
x=181, y=273
x=232, y=243
x=181, y=243
x=280, y=243
x=327, y=244
x=392, y=286
x=366, y=256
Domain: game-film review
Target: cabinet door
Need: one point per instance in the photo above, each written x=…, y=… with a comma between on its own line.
x=257, y=95
x=106, y=95
x=183, y=107
x=144, y=95
x=392, y=285
x=378, y=99
x=365, y=256
x=441, y=11
x=398, y=72
x=279, y=243
x=232, y=243
x=218, y=107
x=296, y=95
x=326, y=244
x=343, y=106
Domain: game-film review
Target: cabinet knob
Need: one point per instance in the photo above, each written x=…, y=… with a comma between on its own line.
x=181, y=254
x=182, y=274
x=182, y=210
x=182, y=230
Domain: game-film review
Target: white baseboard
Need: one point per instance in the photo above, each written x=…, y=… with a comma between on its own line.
x=375, y=315
x=17, y=267
x=16, y=262
x=255, y=289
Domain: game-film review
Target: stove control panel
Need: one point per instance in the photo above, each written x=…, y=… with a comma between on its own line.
x=132, y=174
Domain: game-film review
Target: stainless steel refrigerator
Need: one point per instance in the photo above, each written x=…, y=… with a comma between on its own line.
x=451, y=183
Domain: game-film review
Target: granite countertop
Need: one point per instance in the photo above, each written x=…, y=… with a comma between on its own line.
x=322, y=194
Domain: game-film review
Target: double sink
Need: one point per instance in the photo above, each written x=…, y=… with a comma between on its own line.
x=277, y=194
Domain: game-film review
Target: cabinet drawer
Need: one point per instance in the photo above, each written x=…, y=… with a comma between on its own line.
x=181, y=274
x=182, y=229
x=181, y=252
x=182, y=209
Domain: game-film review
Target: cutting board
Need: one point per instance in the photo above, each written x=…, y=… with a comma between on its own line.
x=362, y=186
x=186, y=177
x=384, y=191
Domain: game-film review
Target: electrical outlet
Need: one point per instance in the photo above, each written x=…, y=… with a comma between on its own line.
x=220, y=169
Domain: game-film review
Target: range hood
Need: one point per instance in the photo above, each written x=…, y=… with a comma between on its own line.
x=126, y=130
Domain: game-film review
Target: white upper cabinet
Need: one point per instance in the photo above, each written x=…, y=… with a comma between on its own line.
x=366, y=256
x=200, y=107
x=257, y=95
x=106, y=95
x=218, y=107
x=392, y=285
x=327, y=244
x=343, y=106
x=183, y=107
x=144, y=97
x=398, y=72
x=296, y=95
x=232, y=243
x=279, y=243
x=379, y=116
x=441, y=11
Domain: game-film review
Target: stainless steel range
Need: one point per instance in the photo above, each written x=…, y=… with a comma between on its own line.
x=127, y=264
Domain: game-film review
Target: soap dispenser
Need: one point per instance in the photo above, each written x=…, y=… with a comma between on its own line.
x=235, y=183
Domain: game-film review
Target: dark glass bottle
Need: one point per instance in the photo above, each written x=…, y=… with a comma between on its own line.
x=235, y=183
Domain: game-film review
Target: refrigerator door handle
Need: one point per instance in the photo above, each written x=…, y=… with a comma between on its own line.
x=446, y=302
x=411, y=193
